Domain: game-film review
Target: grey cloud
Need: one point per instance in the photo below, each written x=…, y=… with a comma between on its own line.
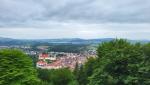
x=131, y=11
x=76, y=30
x=26, y=12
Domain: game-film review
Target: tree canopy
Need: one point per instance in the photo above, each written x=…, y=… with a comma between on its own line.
x=57, y=76
x=121, y=63
x=16, y=68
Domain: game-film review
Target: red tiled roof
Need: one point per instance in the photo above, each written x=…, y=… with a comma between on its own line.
x=41, y=62
x=44, y=55
x=56, y=63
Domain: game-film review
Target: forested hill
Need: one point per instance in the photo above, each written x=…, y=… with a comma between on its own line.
x=9, y=41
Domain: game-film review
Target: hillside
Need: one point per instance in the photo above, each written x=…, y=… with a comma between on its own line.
x=9, y=41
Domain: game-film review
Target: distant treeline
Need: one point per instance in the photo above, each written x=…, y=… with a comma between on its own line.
x=74, y=48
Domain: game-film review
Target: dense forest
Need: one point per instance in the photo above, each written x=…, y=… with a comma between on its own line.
x=118, y=62
x=73, y=48
x=69, y=48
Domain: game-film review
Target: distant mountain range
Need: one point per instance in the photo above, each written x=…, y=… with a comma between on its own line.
x=10, y=41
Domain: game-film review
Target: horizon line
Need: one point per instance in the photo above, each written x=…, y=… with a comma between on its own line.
x=72, y=38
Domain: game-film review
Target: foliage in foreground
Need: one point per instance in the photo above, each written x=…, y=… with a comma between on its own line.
x=122, y=63
x=57, y=76
x=16, y=68
x=84, y=71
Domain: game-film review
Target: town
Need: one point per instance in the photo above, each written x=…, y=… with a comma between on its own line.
x=54, y=60
x=64, y=60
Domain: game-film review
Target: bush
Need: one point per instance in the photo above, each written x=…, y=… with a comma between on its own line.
x=57, y=77
x=121, y=63
x=16, y=68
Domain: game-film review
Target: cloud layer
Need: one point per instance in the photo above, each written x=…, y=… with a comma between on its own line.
x=86, y=31
x=75, y=18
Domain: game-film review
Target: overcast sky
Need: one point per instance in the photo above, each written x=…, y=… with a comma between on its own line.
x=43, y=19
